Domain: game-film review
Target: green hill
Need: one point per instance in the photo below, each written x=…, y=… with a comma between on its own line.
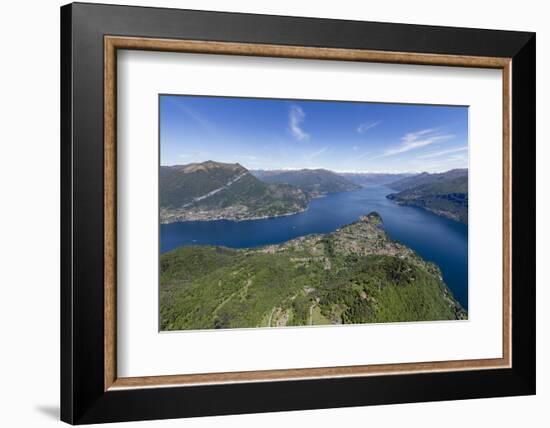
x=315, y=182
x=353, y=275
x=444, y=194
x=215, y=190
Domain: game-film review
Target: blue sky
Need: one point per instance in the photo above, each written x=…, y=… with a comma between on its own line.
x=293, y=134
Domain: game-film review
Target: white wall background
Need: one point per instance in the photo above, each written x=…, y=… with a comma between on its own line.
x=29, y=214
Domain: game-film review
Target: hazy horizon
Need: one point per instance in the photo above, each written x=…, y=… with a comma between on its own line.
x=314, y=168
x=340, y=136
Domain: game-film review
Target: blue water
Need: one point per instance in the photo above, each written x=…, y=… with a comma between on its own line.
x=435, y=238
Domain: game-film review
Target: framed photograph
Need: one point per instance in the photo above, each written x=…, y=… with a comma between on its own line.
x=266, y=213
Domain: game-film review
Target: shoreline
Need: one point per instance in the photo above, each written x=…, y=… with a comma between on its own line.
x=440, y=213
x=238, y=219
x=232, y=218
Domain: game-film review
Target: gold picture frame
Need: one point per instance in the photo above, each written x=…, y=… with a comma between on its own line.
x=114, y=43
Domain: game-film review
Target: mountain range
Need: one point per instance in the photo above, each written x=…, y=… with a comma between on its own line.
x=445, y=194
x=355, y=274
x=214, y=190
x=373, y=178
x=314, y=182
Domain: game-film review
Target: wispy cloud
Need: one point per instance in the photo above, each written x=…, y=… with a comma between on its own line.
x=316, y=153
x=415, y=140
x=443, y=152
x=197, y=118
x=295, y=119
x=365, y=126
x=361, y=156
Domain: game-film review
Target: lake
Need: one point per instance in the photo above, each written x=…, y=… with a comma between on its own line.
x=435, y=238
